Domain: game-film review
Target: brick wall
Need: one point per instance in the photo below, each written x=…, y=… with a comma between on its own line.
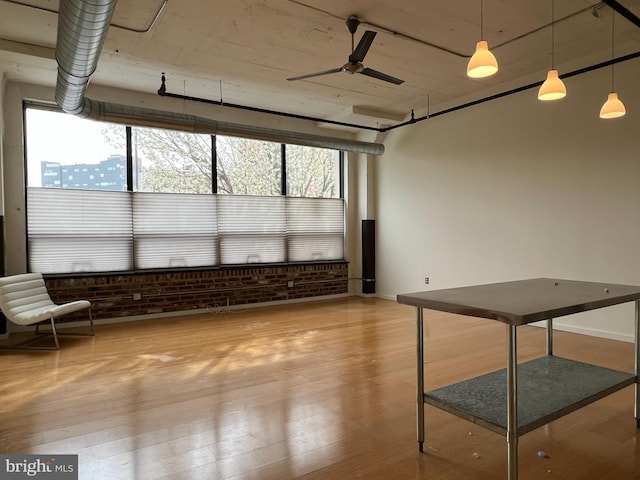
x=116, y=296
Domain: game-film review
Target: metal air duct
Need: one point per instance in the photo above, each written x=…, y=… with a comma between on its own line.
x=82, y=29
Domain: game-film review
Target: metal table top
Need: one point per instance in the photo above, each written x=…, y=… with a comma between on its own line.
x=523, y=301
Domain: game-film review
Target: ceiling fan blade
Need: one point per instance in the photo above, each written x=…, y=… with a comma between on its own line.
x=316, y=74
x=363, y=47
x=369, y=72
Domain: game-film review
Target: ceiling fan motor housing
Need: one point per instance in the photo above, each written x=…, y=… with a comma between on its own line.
x=352, y=67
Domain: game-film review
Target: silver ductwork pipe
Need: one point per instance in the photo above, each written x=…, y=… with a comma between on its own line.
x=82, y=29
x=147, y=117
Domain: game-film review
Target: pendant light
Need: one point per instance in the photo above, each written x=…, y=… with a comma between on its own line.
x=482, y=63
x=553, y=88
x=613, y=107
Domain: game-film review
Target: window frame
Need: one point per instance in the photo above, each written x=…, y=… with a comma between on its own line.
x=130, y=184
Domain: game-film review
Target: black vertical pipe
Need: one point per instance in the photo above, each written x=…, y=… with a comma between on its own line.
x=214, y=165
x=283, y=169
x=130, y=170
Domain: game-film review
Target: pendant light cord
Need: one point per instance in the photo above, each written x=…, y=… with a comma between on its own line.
x=613, y=29
x=481, y=20
x=553, y=35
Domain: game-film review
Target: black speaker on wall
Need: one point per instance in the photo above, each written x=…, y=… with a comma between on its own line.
x=368, y=256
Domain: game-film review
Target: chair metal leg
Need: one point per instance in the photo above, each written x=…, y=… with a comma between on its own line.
x=93, y=334
x=73, y=334
x=39, y=334
x=26, y=345
x=55, y=334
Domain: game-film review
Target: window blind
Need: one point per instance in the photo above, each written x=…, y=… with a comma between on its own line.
x=173, y=230
x=79, y=230
x=252, y=229
x=95, y=231
x=315, y=228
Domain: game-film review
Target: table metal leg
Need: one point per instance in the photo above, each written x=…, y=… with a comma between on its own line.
x=512, y=403
x=636, y=403
x=550, y=336
x=420, y=379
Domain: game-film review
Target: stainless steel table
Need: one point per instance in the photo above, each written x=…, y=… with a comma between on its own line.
x=525, y=396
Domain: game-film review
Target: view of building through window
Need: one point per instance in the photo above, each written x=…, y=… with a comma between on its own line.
x=64, y=151
x=109, y=174
x=69, y=152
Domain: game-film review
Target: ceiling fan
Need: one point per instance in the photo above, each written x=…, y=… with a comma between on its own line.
x=354, y=65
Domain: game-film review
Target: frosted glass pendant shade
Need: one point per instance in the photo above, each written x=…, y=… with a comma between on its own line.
x=553, y=88
x=613, y=107
x=482, y=63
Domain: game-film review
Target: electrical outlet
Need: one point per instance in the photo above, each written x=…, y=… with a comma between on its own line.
x=137, y=296
x=426, y=280
x=290, y=283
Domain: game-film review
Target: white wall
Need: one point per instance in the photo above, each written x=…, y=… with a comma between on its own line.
x=13, y=178
x=517, y=188
x=2, y=85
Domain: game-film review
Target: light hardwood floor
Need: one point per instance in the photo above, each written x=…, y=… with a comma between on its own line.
x=322, y=390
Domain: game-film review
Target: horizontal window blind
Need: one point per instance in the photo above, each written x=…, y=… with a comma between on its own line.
x=79, y=230
x=96, y=231
x=315, y=228
x=252, y=229
x=174, y=230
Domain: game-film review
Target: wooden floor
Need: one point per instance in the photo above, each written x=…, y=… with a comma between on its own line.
x=322, y=390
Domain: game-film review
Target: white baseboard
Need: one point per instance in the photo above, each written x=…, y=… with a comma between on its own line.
x=592, y=332
x=215, y=309
x=386, y=297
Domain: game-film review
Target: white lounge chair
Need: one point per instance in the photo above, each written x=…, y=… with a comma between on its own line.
x=24, y=300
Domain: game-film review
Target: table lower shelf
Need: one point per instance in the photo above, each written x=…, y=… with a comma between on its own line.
x=548, y=388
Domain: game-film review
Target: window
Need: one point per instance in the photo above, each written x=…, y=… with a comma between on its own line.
x=248, y=167
x=174, y=230
x=312, y=172
x=193, y=200
x=74, y=230
x=316, y=229
x=172, y=162
x=252, y=229
x=61, y=149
